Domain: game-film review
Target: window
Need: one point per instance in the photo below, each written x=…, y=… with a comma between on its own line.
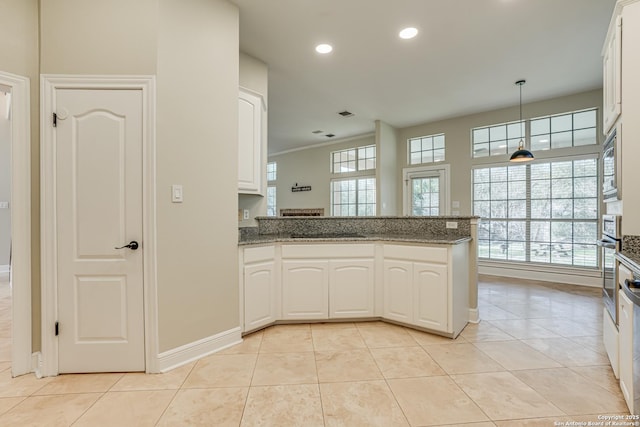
x=271, y=201
x=354, y=159
x=559, y=131
x=425, y=196
x=353, y=197
x=426, y=149
x=426, y=190
x=272, y=170
x=497, y=139
x=565, y=130
x=543, y=212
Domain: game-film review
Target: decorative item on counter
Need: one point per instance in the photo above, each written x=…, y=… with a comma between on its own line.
x=296, y=189
x=521, y=155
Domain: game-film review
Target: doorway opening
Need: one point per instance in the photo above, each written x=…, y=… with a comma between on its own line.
x=15, y=275
x=5, y=225
x=426, y=191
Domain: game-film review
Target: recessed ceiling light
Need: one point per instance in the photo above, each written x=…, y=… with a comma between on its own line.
x=324, y=48
x=408, y=33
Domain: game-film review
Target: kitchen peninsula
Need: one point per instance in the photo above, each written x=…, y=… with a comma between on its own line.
x=416, y=271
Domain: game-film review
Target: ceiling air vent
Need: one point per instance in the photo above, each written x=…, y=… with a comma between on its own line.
x=329, y=135
x=346, y=113
x=316, y=131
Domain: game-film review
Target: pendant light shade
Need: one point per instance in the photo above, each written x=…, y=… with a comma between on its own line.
x=521, y=155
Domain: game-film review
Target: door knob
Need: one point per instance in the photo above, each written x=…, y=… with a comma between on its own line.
x=133, y=245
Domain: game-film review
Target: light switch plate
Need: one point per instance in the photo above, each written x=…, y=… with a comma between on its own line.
x=4, y=205
x=176, y=193
x=245, y=214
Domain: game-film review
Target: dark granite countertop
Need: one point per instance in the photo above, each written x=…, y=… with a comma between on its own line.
x=441, y=239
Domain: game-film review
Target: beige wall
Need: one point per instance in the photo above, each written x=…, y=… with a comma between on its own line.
x=197, y=129
x=98, y=37
x=254, y=75
x=310, y=167
x=5, y=179
x=19, y=54
x=193, y=48
x=386, y=169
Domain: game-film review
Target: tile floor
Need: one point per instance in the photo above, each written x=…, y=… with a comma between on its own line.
x=535, y=359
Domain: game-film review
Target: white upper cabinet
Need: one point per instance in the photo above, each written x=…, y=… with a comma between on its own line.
x=251, y=142
x=612, y=75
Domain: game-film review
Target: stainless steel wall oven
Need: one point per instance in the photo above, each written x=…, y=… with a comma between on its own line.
x=610, y=166
x=610, y=244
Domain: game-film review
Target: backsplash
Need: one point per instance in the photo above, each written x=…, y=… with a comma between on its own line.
x=631, y=245
x=366, y=225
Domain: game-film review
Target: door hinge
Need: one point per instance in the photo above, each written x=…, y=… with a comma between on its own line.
x=57, y=328
x=55, y=120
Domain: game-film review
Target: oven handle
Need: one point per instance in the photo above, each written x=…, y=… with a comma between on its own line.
x=606, y=244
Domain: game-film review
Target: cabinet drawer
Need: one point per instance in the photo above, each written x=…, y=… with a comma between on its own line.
x=624, y=273
x=261, y=253
x=332, y=251
x=416, y=253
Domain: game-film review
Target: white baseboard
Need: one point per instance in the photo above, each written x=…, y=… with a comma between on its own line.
x=187, y=353
x=568, y=277
x=36, y=364
x=474, y=315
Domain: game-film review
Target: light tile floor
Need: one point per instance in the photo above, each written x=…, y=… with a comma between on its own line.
x=535, y=359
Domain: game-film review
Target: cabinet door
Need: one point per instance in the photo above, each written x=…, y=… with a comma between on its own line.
x=305, y=289
x=626, y=348
x=430, y=298
x=351, y=288
x=612, y=73
x=259, y=295
x=398, y=290
x=249, y=143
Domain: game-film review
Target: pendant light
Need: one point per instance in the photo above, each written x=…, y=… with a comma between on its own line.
x=521, y=155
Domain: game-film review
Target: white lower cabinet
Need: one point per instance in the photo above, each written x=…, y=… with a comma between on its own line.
x=430, y=296
x=625, y=327
x=398, y=290
x=305, y=288
x=334, y=281
x=260, y=287
x=410, y=284
x=418, y=289
x=351, y=288
x=416, y=293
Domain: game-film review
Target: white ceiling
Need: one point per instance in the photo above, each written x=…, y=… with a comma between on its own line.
x=465, y=59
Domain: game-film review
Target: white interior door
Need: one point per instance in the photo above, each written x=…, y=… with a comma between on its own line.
x=98, y=172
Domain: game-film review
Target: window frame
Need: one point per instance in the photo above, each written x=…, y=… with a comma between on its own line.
x=357, y=190
x=443, y=170
x=432, y=150
x=274, y=207
x=357, y=159
x=573, y=129
x=528, y=219
x=273, y=172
